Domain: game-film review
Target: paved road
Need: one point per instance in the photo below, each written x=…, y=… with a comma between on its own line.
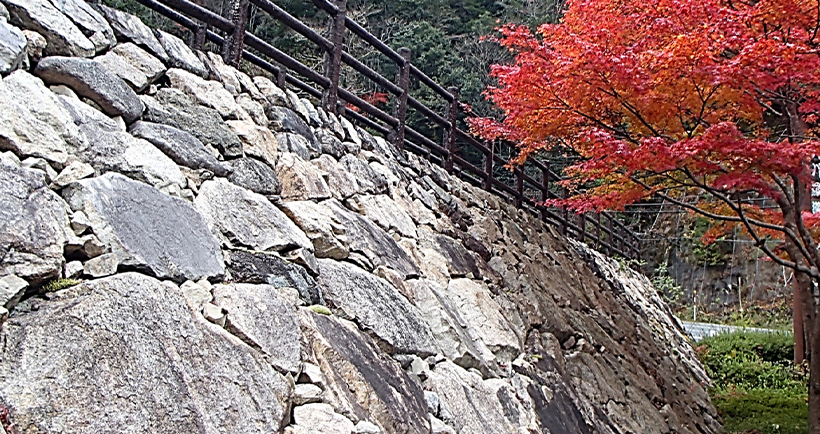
x=700, y=330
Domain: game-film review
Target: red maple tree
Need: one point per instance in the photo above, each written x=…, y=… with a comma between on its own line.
x=714, y=99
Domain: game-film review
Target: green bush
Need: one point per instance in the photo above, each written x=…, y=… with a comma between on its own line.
x=763, y=411
x=757, y=389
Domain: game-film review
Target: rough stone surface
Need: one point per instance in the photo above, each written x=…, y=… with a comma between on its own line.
x=285, y=120
x=172, y=107
x=367, y=239
x=272, y=93
x=62, y=35
x=259, y=267
x=369, y=181
x=73, y=172
x=342, y=184
x=321, y=418
x=179, y=54
x=363, y=383
x=255, y=176
x=184, y=375
x=206, y=92
x=133, y=65
x=299, y=179
x=130, y=28
x=33, y=224
x=33, y=122
x=101, y=266
x=257, y=141
x=376, y=305
x=91, y=80
x=11, y=290
x=328, y=237
x=108, y=148
x=263, y=319
x=382, y=210
x=123, y=211
x=12, y=47
x=242, y=218
x=182, y=147
x=294, y=143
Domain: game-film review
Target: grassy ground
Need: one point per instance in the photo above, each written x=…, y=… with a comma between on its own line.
x=776, y=314
x=757, y=390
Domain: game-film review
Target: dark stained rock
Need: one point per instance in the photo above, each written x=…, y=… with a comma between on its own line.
x=377, y=306
x=330, y=144
x=174, y=108
x=286, y=120
x=33, y=223
x=363, y=383
x=180, y=146
x=255, y=176
x=130, y=28
x=91, y=80
x=459, y=261
x=259, y=267
x=147, y=229
x=126, y=354
x=369, y=181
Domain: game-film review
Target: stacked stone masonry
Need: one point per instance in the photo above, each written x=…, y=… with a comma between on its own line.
x=185, y=248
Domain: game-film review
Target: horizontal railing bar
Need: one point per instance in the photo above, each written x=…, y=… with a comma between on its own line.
x=200, y=13
x=426, y=141
x=368, y=37
x=289, y=20
x=368, y=122
x=472, y=141
x=170, y=13
x=371, y=74
x=368, y=108
x=292, y=64
x=430, y=83
x=464, y=164
x=428, y=112
x=326, y=6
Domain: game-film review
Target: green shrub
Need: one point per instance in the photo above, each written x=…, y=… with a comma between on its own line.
x=57, y=285
x=763, y=411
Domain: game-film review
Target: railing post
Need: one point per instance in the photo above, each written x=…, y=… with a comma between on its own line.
x=600, y=230
x=450, y=134
x=333, y=59
x=545, y=188
x=519, y=186
x=611, y=243
x=583, y=227
x=564, y=213
x=232, y=48
x=281, y=77
x=198, y=37
x=400, y=103
x=488, y=167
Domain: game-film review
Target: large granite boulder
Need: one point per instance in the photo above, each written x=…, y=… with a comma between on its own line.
x=133, y=65
x=107, y=148
x=377, y=306
x=91, y=80
x=299, y=179
x=255, y=176
x=242, y=218
x=180, y=55
x=63, y=36
x=33, y=121
x=182, y=147
x=146, y=229
x=12, y=47
x=328, y=236
x=283, y=119
x=126, y=354
x=363, y=384
x=130, y=28
x=206, y=92
x=371, y=242
x=33, y=224
x=264, y=319
x=174, y=108
x=388, y=215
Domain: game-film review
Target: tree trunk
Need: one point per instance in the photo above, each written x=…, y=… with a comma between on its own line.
x=813, y=341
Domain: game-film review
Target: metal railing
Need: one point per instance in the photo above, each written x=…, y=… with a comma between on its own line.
x=527, y=188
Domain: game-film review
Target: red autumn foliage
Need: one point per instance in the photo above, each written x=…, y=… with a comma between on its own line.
x=715, y=99
x=372, y=98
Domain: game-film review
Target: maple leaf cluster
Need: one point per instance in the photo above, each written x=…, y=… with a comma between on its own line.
x=666, y=96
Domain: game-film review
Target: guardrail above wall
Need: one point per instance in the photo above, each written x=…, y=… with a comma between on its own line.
x=602, y=231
